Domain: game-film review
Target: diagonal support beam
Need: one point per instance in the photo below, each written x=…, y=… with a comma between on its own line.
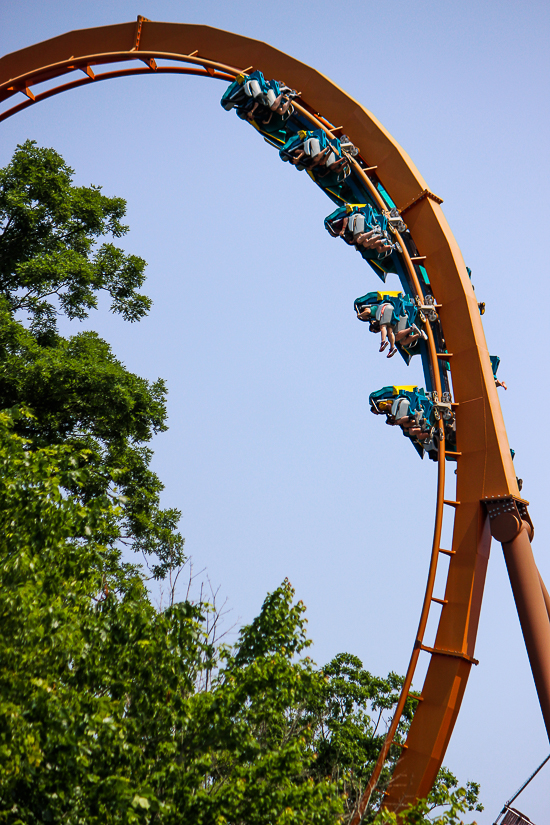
x=510, y=524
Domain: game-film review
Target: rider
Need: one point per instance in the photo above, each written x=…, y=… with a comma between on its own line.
x=324, y=158
x=363, y=227
x=495, y=362
x=253, y=94
x=390, y=316
x=398, y=413
x=413, y=411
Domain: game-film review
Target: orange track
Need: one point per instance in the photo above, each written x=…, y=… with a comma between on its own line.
x=484, y=463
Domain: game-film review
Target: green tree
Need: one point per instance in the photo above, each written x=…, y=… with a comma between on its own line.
x=348, y=718
x=444, y=805
x=105, y=712
x=94, y=681
x=48, y=234
x=114, y=712
x=80, y=393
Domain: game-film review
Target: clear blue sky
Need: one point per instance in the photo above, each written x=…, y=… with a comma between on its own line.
x=272, y=455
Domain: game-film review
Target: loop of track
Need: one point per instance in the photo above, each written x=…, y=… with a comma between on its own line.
x=483, y=459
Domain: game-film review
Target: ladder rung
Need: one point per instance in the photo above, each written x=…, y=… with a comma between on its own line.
x=451, y=452
x=440, y=601
x=456, y=654
x=444, y=355
x=412, y=696
x=447, y=552
x=418, y=258
x=451, y=503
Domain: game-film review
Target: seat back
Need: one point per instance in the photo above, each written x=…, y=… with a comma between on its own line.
x=252, y=88
x=270, y=97
x=402, y=323
x=400, y=407
x=356, y=223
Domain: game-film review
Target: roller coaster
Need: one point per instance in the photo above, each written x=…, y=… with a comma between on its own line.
x=386, y=211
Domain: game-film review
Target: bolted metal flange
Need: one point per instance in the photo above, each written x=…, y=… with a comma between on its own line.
x=506, y=515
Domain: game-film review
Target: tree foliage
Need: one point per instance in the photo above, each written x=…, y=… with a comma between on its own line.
x=113, y=711
x=48, y=234
x=81, y=395
x=348, y=717
x=106, y=717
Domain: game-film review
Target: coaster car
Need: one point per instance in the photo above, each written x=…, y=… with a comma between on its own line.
x=419, y=401
x=404, y=315
x=248, y=89
x=414, y=411
x=351, y=220
x=405, y=310
x=266, y=104
x=304, y=149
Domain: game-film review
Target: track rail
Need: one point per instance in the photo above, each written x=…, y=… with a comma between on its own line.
x=484, y=465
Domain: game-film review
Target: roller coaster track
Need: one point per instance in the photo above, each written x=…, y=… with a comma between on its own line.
x=487, y=495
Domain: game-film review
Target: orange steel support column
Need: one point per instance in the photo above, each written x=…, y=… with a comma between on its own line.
x=546, y=595
x=532, y=613
x=529, y=596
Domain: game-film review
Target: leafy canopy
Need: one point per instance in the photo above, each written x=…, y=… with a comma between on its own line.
x=80, y=394
x=49, y=228
x=114, y=712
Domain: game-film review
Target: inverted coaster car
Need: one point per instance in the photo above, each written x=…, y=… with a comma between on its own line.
x=362, y=226
x=397, y=310
x=324, y=159
x=417, y=413
x=247, y=90
x=405, y=311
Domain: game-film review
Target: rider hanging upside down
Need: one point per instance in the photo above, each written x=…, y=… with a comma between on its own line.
x=415, y=426
x=393, y=316
x=495, y=361
x=413, y=411
x=326, y=159
x=383, y=315
x=254, y=96
x=363, y=227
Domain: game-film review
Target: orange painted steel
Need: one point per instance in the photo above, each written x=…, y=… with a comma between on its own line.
x=545, y=595
x=530, y=596
x=484, y=463
x=85, y=81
